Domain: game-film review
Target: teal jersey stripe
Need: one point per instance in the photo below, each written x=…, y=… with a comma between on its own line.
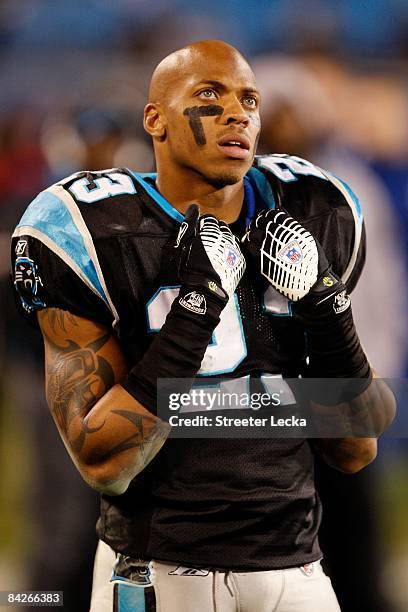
x=48, y=214
x=353, y=198
x=157, y=197
x=262, y=187
x=130, y=598
x=255, y=177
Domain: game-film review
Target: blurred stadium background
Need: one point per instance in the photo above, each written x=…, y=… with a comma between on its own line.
x=73, y=81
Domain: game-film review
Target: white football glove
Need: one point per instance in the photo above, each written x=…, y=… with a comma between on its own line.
x=211, y=257
x=286, y=252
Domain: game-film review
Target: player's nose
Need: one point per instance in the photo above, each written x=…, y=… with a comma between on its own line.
x=233, y=112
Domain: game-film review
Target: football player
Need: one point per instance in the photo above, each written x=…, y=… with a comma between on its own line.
x=135, y=278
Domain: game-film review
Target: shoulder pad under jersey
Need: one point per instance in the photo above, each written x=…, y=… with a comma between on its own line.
x=322, y=203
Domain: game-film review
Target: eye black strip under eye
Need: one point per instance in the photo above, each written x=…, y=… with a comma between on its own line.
x=194, y=114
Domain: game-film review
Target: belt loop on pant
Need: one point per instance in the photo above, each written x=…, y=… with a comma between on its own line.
x=215, y=589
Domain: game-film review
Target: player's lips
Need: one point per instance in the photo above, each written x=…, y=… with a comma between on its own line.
x=235, y=146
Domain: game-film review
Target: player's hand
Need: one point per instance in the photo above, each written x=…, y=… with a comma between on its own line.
x=210, y=258
x=294, y=263
x=284, y=252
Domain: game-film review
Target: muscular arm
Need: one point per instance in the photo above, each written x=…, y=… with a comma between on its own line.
x=110, y=436
x=375, y=410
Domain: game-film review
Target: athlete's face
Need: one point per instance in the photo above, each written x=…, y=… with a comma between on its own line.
x=211, y=117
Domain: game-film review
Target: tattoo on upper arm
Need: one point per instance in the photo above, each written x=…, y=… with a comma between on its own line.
x=76, y=376
x=57, y=318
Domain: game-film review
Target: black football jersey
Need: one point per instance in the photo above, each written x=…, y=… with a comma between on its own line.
x=98, y=244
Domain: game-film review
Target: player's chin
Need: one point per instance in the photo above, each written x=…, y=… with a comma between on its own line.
x=229, y=174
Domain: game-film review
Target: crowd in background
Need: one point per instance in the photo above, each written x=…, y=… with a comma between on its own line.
x=334, y=82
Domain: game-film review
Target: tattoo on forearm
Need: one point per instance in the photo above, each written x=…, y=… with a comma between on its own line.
x=148, y=433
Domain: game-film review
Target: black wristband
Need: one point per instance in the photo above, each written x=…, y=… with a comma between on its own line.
x=335, y=351
x=333, y=346
x=178, y=349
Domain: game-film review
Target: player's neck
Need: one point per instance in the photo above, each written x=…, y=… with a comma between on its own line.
x=224, y=203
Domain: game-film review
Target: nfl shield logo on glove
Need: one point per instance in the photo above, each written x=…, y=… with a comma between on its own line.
x=231, y=257
x=291, y=253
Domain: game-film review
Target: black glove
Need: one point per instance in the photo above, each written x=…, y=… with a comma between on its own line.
x=210, y=267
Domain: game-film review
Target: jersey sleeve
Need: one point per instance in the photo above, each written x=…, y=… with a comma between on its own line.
x=345, y=244
x=41, y=279
x=342, y=237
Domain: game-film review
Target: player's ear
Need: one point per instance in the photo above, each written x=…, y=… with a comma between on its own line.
x=153, y=121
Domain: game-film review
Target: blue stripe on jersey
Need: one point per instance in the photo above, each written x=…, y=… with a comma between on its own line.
x=254, y=178
x=157, y=197
x=249, y=201
x=48, y=214
x=130, y=598
x=262, y=187
x=354, y=199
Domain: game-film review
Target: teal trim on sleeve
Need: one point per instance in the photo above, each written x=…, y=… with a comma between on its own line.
x=48, y=214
